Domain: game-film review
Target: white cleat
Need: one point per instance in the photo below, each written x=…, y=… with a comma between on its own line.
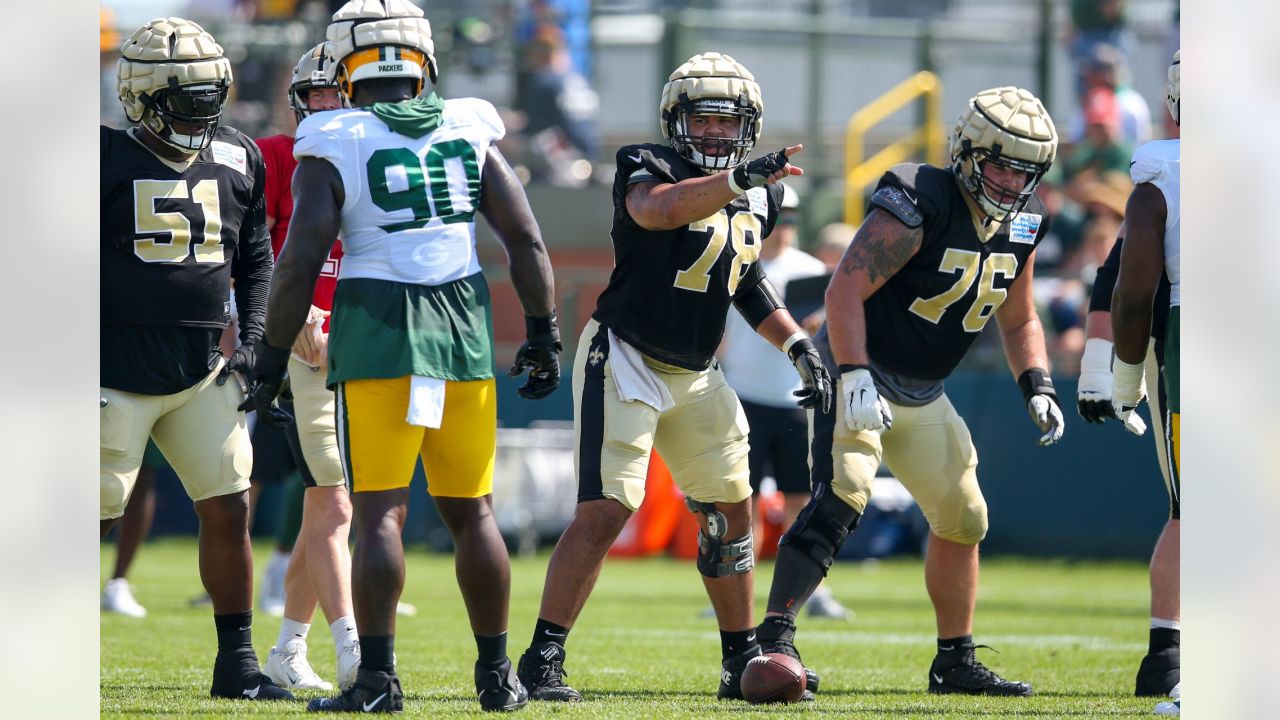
x=1172, y=708
x=406, y=609
x=117, y=597
x=348, y=665
x=823, y=604
x=289, y=668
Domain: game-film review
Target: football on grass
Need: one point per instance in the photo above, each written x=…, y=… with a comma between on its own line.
x=773, y=678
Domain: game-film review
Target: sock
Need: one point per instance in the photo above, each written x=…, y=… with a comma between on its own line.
x=292, y=630
x=735, y=642
x=1165, y=623
x=492, y=649
x=344, y=631
x=377, y=652
x=546, y=631
x=777, y=627
x=234, y=631
x=1163, y=639
x=956, y=647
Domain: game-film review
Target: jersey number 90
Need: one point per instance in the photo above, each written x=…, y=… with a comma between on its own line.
x=421, y=191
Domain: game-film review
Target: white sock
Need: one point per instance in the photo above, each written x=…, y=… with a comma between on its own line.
x=292, y=630
x=1167, y=624
x=279, y=557
x=344, y=632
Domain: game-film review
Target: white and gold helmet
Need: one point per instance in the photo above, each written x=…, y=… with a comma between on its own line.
x=171, y=70
x=1173, y=89
x=308, y=74
x=711, y=84
x=1008, y=127
x=379, y=39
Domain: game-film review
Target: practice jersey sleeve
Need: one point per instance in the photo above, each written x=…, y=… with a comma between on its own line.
x=482, y=115
x=253, y=263
x=905, y=194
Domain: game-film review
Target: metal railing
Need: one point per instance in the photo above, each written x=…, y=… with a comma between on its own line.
x=927, y=138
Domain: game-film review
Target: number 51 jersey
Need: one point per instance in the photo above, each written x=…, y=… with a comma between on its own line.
x=410, y=205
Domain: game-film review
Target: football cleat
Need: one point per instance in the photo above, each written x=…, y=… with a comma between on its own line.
x=542, y=672
x=348, y=664
x=236, y=676
x=731, y=673
x=288, y=668
x=1158, y=673
x=117, y=597
x=970, y=677
x=777, y=635
x=1173, y=707
x=374, y=692
x=499, y=688
x=823, y=604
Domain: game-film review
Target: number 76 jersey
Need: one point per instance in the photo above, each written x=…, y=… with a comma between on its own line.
x=410, y=206
x=923, y=320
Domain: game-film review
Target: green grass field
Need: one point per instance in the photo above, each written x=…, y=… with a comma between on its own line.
x=1074, y=630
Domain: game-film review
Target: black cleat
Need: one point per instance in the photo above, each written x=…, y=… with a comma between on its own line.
x=499, y=688
x=970, y=677
x=542, y=672
x=374, y=692
x=236, y=676
x=1158, y=673
x=777, y=635
x=731, y=673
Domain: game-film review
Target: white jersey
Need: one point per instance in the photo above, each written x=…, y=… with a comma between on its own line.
x=756, y=370
x=1159, y=163
x=409, y=213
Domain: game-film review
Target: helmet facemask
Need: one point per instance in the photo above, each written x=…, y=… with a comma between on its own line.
x=996, y=200
x=712, y=153
x=198, y=106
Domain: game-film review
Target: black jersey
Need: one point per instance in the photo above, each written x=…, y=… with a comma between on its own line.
x=922, y=321
x=670, y=290
x=172, y=240
x=1104, y=285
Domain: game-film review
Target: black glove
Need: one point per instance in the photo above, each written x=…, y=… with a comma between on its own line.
x=756, y=173
x=814, y=375
x=269, y=382
x=540, y=355
x=241, y=361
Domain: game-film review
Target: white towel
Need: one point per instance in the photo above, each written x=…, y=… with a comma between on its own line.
x=634, y=379
x=426, y=401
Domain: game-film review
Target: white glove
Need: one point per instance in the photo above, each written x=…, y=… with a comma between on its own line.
x=1128, y=387
x=1047, y=416
x=864, y=409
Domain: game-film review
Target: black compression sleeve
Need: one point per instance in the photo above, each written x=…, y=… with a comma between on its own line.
x=758, y=303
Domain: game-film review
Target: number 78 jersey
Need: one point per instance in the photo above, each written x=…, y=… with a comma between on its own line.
x=924, y=319
x=410, y=206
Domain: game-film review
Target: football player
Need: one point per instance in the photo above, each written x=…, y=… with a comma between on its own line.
x=319, y=567
x=688, y=221
x=182, y=217
x=942, y=250
x=402, y=177
x=1153, y=245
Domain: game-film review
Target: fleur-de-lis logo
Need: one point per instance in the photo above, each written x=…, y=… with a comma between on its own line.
x=595, y=357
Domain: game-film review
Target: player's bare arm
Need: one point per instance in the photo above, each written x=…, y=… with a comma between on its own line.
x=666, y=206
x=504, y=205
x=1020, y=328
x=881, y=247
x=318, y=198
x=1141, y=263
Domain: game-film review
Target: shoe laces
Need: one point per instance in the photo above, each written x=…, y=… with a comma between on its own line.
x=975, y=665
x=552, y=672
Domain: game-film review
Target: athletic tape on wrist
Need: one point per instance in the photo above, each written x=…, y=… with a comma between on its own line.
x=796, y=337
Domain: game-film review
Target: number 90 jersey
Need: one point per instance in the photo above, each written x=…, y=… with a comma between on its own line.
x=923, y=320
x=410, y=206
x=670, y=290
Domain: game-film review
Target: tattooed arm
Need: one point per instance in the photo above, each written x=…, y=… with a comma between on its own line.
x=879, y=249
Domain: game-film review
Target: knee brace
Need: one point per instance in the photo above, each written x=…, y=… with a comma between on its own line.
x=732, y=557
x=821, y=527
x=717, y=523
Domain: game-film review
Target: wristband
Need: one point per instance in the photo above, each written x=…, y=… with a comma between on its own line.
x=1097, y=356
x=848, y=367
x=796, y=337
x=733, y=185
x=1036, y=381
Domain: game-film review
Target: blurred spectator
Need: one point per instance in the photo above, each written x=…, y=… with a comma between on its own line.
x=832, y=241
x=1096, y=22
x=1068, y=222
x=1103, y=149
x=572, y=17
x=1106, y=68
x=560, y=110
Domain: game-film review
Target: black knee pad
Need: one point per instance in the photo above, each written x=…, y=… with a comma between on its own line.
x=821, y=527
x=721, y=559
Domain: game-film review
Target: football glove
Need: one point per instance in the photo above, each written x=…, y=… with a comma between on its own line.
x=1042, y=404
x=268, y=384
x=241, y=361
x=864, y=409
x=540, y=355
x=1093, y=399
x=817, y=381
x=1127, y=390
x=756, y=173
